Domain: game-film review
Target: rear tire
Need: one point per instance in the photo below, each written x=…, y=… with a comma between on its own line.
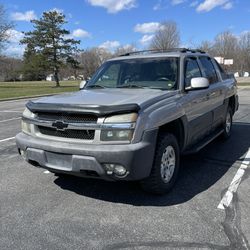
x=227, y=126
x=165, y=167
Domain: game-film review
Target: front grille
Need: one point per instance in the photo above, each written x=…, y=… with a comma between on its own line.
x=67, y=117
x=68, y=133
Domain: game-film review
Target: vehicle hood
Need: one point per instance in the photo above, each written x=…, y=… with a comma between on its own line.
x=108, y=97
x=100, y=101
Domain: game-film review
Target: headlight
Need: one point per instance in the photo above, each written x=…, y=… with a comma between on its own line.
x=132, y=117
x=117, y=135
x=26, y=127
x=27, y=113
x=119, y=127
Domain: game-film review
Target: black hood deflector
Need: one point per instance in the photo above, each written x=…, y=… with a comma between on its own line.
x=82, y=109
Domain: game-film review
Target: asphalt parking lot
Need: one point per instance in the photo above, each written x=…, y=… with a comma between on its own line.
x=41, y=211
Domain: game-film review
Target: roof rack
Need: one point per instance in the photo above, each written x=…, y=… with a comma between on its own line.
x=152, y=51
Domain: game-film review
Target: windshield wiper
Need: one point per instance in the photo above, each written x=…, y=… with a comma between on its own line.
x=95, y=86
x=132, y=85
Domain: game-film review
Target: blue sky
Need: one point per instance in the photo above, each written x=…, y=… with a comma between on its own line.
x=113, y=23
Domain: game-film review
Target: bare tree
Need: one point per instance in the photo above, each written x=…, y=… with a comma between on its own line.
x=207, y=46
x=244, y=52
x=124, y=49
x=226, y=45
x=10, y=68
x=5, y=26
x=91, y=59
x=168, y=36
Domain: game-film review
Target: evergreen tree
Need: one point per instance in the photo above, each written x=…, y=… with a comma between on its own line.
x=50, y=43
x=34, y=65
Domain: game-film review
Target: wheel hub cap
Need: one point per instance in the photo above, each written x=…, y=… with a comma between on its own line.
x=228, y=123
x=168, y=164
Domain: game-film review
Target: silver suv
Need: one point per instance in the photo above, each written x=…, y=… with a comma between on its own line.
x=133, y=119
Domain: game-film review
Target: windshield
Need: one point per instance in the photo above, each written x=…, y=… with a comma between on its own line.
x=155, y=73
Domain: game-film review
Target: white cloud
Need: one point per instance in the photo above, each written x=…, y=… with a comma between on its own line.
x=146, y=39
x=194, y=3
x=228, y=6
x=24, y=16
x=59, y=11
x=114, y=6
x=128, y=47
x=80, y=33
x=110, y=45
x=14, y=48
x=159, y=5
x=14, y=35
x=208, y=5
x=147, y=27
x=176, y=2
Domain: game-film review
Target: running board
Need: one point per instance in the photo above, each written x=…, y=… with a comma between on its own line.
x=197, y=147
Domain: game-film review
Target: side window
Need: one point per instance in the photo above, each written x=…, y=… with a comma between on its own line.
x=222, y=71
x=209, y=70
x=192, y=70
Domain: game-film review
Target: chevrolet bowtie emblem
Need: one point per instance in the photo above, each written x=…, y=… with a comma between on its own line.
x=60, y=125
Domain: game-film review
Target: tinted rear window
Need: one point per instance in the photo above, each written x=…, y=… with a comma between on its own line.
x=209, y=70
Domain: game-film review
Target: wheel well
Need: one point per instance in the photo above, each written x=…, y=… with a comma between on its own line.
x=177, y=129
x=232, y=103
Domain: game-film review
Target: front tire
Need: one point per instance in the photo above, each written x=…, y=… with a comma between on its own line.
x=227, y=126
x=165, y=167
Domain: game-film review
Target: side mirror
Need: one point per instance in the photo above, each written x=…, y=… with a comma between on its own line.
x=198, y=83
x=82, y=84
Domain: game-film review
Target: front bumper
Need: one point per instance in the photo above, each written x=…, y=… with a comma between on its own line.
x=86, y=159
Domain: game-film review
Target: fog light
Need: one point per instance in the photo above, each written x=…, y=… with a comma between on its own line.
x=120, y=170
x=23, y=154
x=109, y=168
x=110, y=134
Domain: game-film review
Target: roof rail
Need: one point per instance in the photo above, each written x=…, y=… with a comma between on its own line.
x=152, y=51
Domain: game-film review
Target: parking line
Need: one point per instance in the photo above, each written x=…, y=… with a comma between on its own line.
x=12, y=119
x=7, y=139
x=11, y=111
x=227, y=198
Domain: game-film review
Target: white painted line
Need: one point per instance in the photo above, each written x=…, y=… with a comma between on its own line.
x=7, y=139
x=18, y=100
x=46, y=172
x=11, y=111
x=227, y=198
x=12, y=119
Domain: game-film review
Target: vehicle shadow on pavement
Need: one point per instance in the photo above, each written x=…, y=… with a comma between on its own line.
x=198, y=173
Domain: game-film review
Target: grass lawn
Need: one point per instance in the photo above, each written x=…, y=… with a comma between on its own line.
x=243, y=83
x=21, y=89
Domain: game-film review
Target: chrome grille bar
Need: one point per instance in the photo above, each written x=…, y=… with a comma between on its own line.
x=81, y=126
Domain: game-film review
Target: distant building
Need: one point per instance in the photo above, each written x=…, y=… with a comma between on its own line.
x=246, y=74
x=50, y=78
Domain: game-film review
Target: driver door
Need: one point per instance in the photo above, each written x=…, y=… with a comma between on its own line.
x=197, y=105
